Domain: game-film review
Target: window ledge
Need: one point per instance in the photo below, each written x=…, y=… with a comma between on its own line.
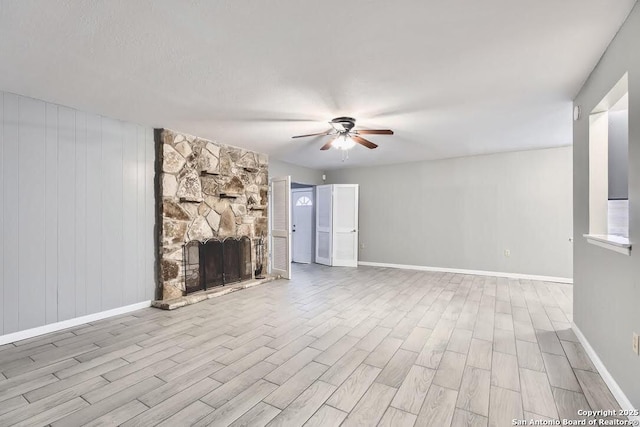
x=615, y=243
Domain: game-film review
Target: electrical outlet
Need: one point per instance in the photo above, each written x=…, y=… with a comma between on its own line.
x=507, y=253
x=636, y=344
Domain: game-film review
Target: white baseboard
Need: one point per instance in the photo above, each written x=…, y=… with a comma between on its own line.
x=58, y=326
x=617, y=392
x=472, y=272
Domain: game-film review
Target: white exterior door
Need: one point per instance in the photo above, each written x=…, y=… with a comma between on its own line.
x=302, y=225
x=281, y=226
x=345, y=225
x=324, y=218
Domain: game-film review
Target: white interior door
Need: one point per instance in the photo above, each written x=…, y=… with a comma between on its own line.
x=324, y=214
x=302, y=225
x=345, y=225
x=281, y=226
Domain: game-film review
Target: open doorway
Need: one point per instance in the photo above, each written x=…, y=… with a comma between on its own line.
x=609, y=168
x=291, y=225
x=302, y=223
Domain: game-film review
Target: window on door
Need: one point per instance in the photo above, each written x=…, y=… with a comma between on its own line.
x=304, y=201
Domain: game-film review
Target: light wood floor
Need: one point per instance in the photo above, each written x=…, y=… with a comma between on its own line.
x=334, y=346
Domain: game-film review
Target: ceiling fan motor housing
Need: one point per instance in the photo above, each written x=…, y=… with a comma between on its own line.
x=346, y=122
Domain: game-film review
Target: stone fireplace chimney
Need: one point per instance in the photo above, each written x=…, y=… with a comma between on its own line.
x=206, y=190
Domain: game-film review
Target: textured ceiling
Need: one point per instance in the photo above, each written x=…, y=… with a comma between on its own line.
x=452, y=78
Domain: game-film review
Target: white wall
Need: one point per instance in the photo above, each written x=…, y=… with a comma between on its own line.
x=76, y=213
x=607, y=284
x=299, y=174
x=465, y=212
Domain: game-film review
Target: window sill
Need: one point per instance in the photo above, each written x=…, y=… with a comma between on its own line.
x=615, y=243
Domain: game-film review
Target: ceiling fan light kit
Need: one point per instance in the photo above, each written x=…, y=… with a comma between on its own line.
x=344, y=142
x=345, y=137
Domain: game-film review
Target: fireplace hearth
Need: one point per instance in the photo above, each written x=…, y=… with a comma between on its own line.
x=216, y=262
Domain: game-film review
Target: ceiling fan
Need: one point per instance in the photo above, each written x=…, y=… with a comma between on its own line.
x=345, y=137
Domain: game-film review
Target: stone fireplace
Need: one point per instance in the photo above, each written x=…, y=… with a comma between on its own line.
x=213, y=202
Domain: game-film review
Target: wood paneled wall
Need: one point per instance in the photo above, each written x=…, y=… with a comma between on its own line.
x=76, y=213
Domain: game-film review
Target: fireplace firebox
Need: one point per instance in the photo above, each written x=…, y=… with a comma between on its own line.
x=216, y=262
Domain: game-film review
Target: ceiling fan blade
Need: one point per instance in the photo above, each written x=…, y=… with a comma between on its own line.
x=374, y=132
x=364, y=142
x=329, y=132
x=328, y=144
